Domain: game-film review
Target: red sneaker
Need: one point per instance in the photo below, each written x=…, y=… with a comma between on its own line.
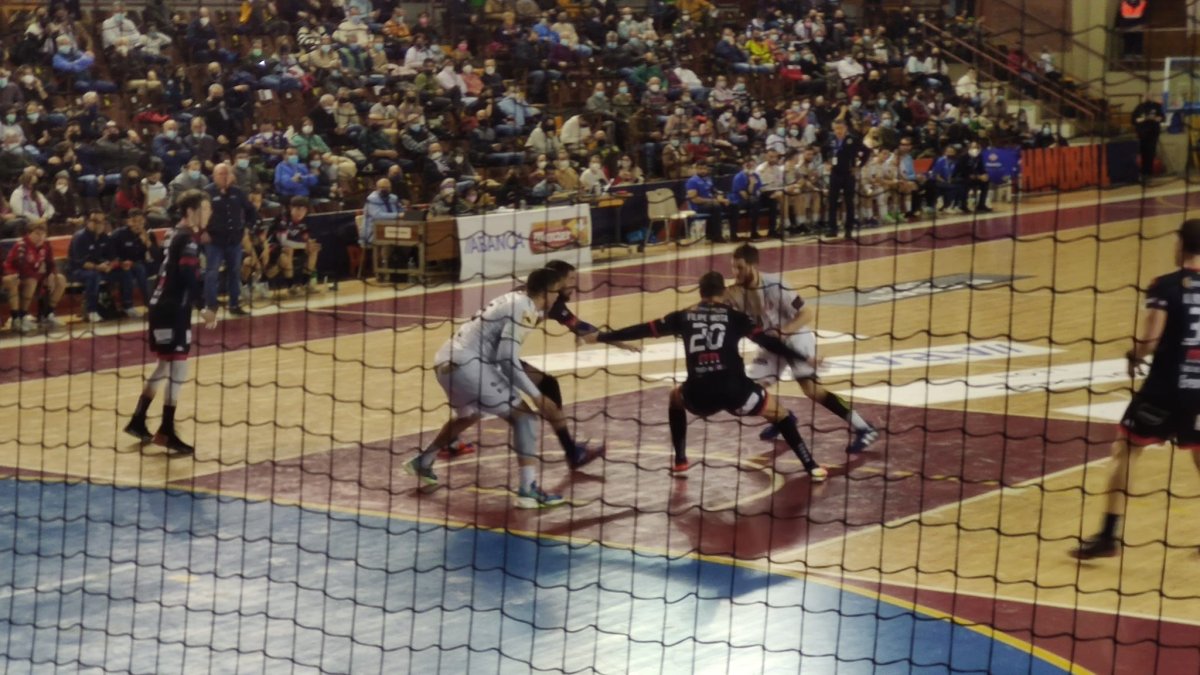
x=680, y=467
x=457, y=448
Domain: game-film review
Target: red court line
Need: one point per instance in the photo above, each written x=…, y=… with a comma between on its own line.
x=86, y=354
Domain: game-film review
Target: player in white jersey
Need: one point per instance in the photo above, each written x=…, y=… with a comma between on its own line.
x=780, y=310
x=480, y=370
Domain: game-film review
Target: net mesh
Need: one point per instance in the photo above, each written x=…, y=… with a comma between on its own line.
x=988, y=351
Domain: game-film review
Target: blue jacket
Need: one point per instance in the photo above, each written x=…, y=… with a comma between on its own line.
x=88, y=247
x=74, y=62
x=943, y=169
x=172, y=164
x=286, y=186
x=744, y=182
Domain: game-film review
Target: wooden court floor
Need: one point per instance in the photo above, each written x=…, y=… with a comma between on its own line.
x=1054, y=301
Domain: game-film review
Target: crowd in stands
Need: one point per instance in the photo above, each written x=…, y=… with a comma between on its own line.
x=354, y=104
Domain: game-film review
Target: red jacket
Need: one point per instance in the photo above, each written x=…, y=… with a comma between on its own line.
x=29, y=261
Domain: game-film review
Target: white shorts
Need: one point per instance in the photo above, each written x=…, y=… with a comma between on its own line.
x=768, y=368
x=478, y=389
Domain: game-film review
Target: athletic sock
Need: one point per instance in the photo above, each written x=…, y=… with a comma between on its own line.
x=834, y=404
x=143, y=405
x=168, y=420
x=1110, y=526
x=568, y=444
x=678, y=420
x=528, y=476
x=787, y=427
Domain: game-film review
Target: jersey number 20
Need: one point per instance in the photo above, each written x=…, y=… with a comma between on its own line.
x=706, y=337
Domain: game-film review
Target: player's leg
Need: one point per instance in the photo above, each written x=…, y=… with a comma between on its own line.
x=677, y=417
x=465, y=391
x=864, y=433
x=771, y=411
x=137, y=425
x=530, y=495
x=177, y=374
x=56, y=286
x=422, y=465
x=1104, y=543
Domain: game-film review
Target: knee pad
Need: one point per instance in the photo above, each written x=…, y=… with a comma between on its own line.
x=525, y=434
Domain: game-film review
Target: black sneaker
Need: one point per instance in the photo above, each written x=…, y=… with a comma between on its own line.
x=238, y=311
x=1096, y=547
x=137, y=429
x=173, y=443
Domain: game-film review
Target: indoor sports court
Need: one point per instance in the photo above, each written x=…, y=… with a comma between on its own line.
x=987, y=351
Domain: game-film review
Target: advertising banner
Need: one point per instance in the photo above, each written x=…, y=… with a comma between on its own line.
x=506, y=243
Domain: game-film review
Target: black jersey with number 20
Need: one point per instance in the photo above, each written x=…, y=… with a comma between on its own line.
x=711, y=333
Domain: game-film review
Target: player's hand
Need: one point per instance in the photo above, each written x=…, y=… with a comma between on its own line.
x=636, y=349
x=209, y=317
x=586, y=338
x=1133, y=364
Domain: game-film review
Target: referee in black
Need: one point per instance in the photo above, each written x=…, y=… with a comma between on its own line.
x=846, y=153
x=1167, y=407
x=227, y=238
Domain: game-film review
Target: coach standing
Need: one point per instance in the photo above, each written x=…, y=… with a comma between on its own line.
x=1148, y=117
x=232, y=213
x=845, y=153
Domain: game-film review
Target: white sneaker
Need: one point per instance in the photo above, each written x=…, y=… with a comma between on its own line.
x=51, y=321
x=261, y=290
x=26, y=325
x=133, y=313
x=93, y=317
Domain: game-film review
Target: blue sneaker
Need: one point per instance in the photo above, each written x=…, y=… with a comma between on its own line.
x=862, y=440
x=772, y=430
x=585, y=453
x=536, y=498
x=425, y=476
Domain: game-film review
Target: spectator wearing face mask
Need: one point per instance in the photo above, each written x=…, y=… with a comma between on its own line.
x=119, y=27
x=593, y=182
x=973, y=175
x=170, y=149
x=191, y=178
x=67, y=202
x=129, y=192
x=158, y=197
x=381, y=204
x=292, y=177
x=202, y=145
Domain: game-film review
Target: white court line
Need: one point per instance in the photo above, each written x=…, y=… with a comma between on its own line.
x=1002, y=493
x=120, y=568
x=371, y=293
x=1035, y=602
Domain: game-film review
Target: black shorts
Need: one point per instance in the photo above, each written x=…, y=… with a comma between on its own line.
x=736, y=395
x=170, y=337
x=1151, y=420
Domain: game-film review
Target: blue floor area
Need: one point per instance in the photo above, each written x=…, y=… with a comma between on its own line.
x=96, y=577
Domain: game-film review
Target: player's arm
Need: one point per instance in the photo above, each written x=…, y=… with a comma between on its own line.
x=1153, y=324
x=804, y=316
x=188, y=267
x=516, y=328
x=668, y=325
x=744, y=325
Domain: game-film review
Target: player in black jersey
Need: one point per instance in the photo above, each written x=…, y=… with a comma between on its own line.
x=1167, y=407
x=585, y=333
x=717, y=378
x=178, y=293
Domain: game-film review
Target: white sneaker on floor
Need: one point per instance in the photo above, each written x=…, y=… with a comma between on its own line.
x=51, y=321
x=26, y=325
x=133, y=313
x=93, y=317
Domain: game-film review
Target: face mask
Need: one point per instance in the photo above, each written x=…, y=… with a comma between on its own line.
x=655, y=88
x=415, y=127
x=779, y=131
x=325, y=48
x=170, y=134
x=887, y=124
x=27, y=80
x=696, y=139
x=10, y=118
x=626, y=163
x=315, y=164
x=306, y=129
x=194, y=174
x=256, y=53
x=33, y=117
x=243, y=163
x=490, y=70
x=675, y=142
x=794, y=132
x=62, y=189
x=65, y=49
x=435, y=156
x=118, y=17
x=973, y=152
x=541, y=163
x=204, y=21
x=739, y=87
x=595, y=167
x=3, y=82
x=623, y=90
x=856, y=105
x=293, y=159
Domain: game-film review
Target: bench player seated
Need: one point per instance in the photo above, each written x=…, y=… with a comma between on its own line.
x=780, y=311
x=1167, y=407
x=716, y=375
x=480, y=370
x=585, y=333
x=29, y=274
x=289, y=254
